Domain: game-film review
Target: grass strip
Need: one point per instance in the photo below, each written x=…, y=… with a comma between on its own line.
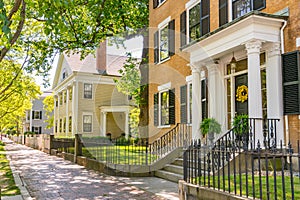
x=7, y=182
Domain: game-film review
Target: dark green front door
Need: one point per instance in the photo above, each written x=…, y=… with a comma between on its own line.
x=241, y=83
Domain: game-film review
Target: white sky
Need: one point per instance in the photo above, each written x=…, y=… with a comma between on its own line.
x=134, y=46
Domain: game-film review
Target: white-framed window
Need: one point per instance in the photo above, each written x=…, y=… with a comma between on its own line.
x=37, y=129
x=87, y=122
x=87, y=90
x=164, y=40
x=232, y=9
x=164, y=106
x=194, y=21
x=36, y=114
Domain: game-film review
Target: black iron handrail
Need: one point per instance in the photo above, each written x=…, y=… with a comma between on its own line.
x=179, y=136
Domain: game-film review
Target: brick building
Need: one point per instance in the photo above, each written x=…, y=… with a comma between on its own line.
x=219, y=58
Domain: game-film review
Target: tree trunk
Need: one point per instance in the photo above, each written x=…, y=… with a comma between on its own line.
x=144, y=107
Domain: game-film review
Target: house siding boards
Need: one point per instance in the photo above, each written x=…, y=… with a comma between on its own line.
x=175, y=69
x=104, y=93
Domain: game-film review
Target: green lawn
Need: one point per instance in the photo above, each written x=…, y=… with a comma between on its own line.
x=241, y=182
x=7, y=183
x=118, y=154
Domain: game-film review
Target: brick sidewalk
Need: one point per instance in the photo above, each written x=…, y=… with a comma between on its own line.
x=50, y=177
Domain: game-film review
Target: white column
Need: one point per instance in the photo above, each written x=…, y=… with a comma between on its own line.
x=67, y=112
x=254, y=86
x=104, y=123
x=74, y=108
x=274, y=88
x=216, y=93
x=126, y=124
x=196, y=102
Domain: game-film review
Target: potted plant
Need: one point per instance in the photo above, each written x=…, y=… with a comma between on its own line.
x=240, y=124
x=210, y=126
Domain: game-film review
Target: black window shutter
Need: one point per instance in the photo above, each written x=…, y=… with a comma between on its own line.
x=32, y=116
x=32, y=129
x=183, y=29
x=223, y=12
x=41, y=115
x=259, y=4
x=40, y=130
x=172, y=106
x=171, y=38
x=183, y=104
x=291, y=82
x=204, y=15
x=155, y=3
x=156, y=50
x=156, y=109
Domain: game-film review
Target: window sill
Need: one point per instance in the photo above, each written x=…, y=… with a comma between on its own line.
x=163, y=61
x=164, y=126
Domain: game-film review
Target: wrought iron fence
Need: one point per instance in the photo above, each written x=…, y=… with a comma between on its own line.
x=270, y=173
x=124, y=150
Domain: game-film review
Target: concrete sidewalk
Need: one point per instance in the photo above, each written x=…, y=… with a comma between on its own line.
x=41, y=176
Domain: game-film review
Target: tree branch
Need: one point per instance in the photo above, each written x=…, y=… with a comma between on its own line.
x=18, y=31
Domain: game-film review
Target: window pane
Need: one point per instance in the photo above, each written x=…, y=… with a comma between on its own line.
x=87, y=123
x=36, y=115
x=241, y=8
x=164, y=44
x=194, y=22
x=164, y=99
x=87, y=91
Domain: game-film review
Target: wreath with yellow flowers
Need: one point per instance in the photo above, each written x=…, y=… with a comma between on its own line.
x=242, y=93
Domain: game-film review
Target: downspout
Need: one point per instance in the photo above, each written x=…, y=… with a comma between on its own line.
x=282, y=36
x=286, y=119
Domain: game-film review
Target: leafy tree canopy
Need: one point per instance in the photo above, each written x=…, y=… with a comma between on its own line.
x=17, y=90
x=38, y=29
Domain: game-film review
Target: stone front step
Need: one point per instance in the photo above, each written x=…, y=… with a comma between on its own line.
x=174, y=169
x=170, y=176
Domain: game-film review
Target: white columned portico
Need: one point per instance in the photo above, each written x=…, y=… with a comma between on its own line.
x=254, y=86
x=274, y=88
x=196, y=102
